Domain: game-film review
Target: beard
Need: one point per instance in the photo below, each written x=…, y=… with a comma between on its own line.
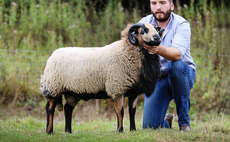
x=164, y=18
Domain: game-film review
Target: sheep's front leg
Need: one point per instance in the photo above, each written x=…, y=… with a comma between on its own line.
x=132, y=111
x=118, y=105
x=50, y=108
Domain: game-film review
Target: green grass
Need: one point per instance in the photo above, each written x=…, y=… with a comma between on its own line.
x=28, y=128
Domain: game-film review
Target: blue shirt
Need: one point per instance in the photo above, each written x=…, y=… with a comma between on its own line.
x=177, y=34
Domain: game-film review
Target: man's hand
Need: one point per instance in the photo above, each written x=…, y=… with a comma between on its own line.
x=152, y=49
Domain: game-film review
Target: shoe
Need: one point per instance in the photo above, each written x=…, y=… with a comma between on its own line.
x=169, y=118
x=185, y=129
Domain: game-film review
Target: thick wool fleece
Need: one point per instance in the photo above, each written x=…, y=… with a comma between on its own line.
x=114, y=68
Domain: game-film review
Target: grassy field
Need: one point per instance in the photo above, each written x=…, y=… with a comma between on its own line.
x=28, y=128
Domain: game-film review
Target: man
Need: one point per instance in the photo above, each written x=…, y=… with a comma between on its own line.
x=177, y=68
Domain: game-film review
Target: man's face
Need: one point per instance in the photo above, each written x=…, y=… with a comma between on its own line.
x=161, y=9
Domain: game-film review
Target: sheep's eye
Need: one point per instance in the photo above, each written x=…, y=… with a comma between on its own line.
x=142, y=31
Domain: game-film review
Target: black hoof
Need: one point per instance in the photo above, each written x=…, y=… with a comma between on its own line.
x=50, y=133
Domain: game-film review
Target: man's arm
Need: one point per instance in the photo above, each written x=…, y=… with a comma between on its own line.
x=169, y=53
x=180, y=43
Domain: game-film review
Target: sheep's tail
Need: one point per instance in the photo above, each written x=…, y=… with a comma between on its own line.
x=43, y=88
x=45, y=92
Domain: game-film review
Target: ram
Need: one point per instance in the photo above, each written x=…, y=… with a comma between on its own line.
x=121, y=69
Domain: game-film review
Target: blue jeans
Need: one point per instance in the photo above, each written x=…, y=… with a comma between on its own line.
x=175, y=85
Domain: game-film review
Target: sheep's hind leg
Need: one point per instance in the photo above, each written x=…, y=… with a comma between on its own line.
x=71, y=102
x=118, y=105
x=50, y=108
x=132, y=111
x=68, y=109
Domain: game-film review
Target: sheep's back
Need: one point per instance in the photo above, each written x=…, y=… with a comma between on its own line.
x=75, y=69
x=114, y=69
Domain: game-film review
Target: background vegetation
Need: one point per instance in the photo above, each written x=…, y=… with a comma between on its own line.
x=30, y=30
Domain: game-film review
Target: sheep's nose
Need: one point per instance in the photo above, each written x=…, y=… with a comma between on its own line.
x=155, y=41
x=156, y=37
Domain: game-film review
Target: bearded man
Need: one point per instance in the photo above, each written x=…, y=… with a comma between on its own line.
x=177, y=68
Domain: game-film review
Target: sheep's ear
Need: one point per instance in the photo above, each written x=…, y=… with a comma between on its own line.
x=160, y=30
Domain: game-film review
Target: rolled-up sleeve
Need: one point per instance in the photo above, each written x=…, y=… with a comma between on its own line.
x=182, y=38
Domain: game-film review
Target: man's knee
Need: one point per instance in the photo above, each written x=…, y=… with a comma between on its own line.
x=176, y=68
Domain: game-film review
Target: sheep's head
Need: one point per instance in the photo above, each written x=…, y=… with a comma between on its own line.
x=150, y=34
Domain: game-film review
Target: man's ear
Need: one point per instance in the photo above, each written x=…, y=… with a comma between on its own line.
x=172, y=6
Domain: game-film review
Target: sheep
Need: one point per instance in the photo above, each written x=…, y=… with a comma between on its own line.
x=121, y=69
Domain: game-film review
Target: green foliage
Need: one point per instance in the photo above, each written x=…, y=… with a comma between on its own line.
x=48, y=25
x=31, y=30
x=211, y=56
x=20, y=72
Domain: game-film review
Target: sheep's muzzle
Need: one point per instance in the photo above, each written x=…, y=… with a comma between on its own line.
x=156, y=40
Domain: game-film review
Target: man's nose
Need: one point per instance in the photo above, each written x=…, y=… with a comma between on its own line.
x=158, y=6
